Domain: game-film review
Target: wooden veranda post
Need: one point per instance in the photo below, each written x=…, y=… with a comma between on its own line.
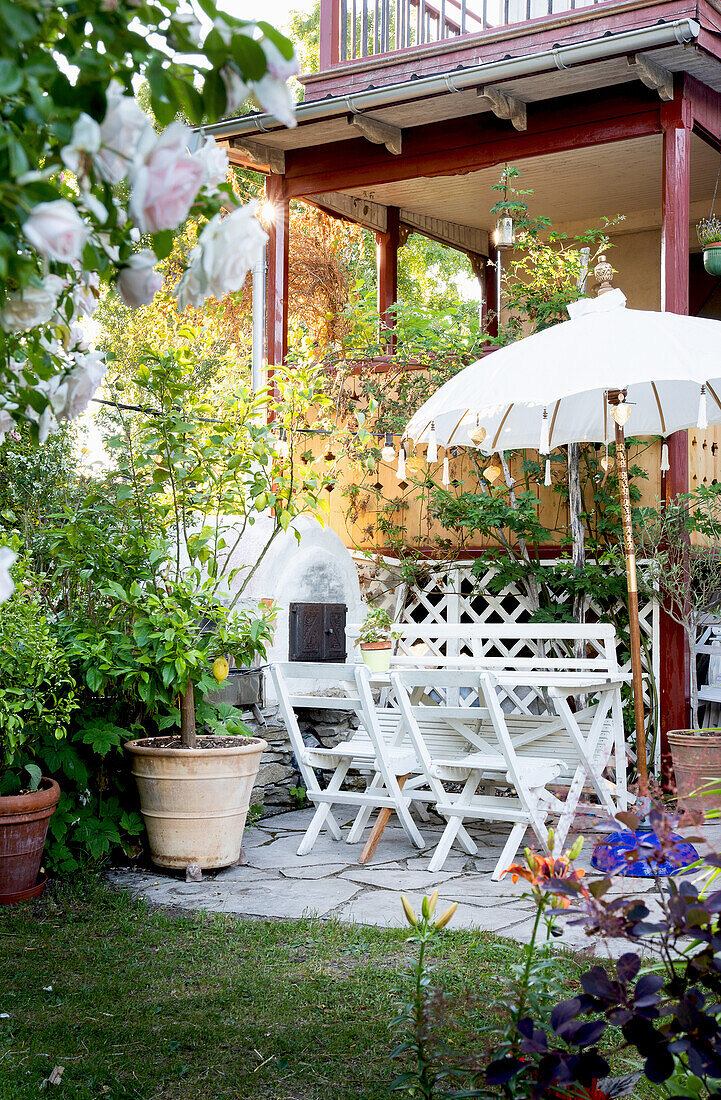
x=677, y=122
x=277, y=289
x=387, y=245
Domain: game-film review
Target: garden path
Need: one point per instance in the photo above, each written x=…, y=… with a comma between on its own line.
x=330, y=884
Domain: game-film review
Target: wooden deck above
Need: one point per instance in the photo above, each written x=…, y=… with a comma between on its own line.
x=373, y=43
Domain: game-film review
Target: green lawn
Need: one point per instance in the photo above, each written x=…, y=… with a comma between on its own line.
x=152, y=1007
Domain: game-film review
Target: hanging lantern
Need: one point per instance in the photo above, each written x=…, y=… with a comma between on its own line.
x=388, y=451
x=446, y=479
x=329, y=454
x=401, y=468
x=505, y=234
x=547, y=478
x=544, y=443
x=492, y=473
x=282, y=447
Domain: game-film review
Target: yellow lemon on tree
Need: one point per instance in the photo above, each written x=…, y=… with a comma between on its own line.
x=220, y=669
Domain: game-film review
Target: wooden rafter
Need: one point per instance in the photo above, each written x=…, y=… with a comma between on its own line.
x=506, y=106
x=379, y=132
x=652, y=75
x=257, y=154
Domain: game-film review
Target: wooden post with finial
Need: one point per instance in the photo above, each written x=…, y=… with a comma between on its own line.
x=620, y=412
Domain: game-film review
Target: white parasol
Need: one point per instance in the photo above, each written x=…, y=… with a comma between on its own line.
x=578, y=382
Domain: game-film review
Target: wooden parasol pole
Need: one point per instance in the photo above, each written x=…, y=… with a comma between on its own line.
x=616, y=400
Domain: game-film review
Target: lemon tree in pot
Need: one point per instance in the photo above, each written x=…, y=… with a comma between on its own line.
x=375, y=639
x=195, y=472
x=37, y=698
x=682, y=543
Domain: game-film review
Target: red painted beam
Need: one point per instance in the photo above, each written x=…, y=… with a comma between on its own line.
x=277, y=285
x=470, y=144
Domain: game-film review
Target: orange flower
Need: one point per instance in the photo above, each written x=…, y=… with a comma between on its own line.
x=543, y=871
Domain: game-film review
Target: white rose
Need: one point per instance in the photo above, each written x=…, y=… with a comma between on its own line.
x=165, y=181
x=236, y=90
x=32, y=306
x=85, y=292
x=272, y=91
x=139, y=282
x=7, y=558
x=84, y=144
x=74, y=393
x=56, y=231
x=213, y=159
x=125, y=123
x=227, y=248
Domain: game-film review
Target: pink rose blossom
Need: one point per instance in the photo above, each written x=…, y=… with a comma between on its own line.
x=165, y=182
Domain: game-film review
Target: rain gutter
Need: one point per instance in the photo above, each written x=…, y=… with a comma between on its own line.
x=677, y=32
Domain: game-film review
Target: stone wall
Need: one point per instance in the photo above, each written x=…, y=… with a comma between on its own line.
x=278, y=769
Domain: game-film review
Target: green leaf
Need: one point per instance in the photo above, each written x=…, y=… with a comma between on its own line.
x=11, y=76
x=35, y=774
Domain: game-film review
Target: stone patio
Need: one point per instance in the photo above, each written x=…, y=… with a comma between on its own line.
x=329, y=883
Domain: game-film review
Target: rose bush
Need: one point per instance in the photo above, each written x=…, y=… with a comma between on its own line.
x=70, y=132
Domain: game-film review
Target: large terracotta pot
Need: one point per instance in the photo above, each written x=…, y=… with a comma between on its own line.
x=195, y=801
x=24, y=822
x=696, y=758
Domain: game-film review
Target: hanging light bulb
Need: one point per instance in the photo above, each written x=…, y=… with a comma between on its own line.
x=547, y=479
x=665, y=464
x=282, y=447
x=620, y=412
x=446, y=479
x=702, y=421
x=432, y=451
x=388, y=452
x=401, y=467
x=477, y=434
x=492, y=473
x=544, y=444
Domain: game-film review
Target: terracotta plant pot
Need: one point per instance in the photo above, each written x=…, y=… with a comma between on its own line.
x=696, y=758
x=195, y=801
x=376, y=655
x=23, y=828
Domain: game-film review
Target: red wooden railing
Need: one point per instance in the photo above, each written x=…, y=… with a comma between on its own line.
x=355, y=29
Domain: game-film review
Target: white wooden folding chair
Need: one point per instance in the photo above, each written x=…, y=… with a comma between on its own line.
x=368, y=751
x=472, y=746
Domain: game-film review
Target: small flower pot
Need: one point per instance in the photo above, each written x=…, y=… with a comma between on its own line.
x=712, y=259
x=376, y=655
x=24, y=822
x=696, y=758
x=195, y=801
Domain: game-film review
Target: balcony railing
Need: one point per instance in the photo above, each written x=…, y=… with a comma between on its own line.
x=355, y=29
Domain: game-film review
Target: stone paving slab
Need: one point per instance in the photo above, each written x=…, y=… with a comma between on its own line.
x=330, y=883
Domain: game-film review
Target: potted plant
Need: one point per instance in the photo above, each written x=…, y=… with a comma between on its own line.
x=194, y=479
x=375, y=639
x=708, y=231
x=37, y=697
x=681, y=542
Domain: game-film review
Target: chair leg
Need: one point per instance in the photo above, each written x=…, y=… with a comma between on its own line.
x=323, y=815
x=509, y=850
x=364, y=814
x=445, y=844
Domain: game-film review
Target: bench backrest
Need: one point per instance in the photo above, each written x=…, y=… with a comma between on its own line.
x=523, y=647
